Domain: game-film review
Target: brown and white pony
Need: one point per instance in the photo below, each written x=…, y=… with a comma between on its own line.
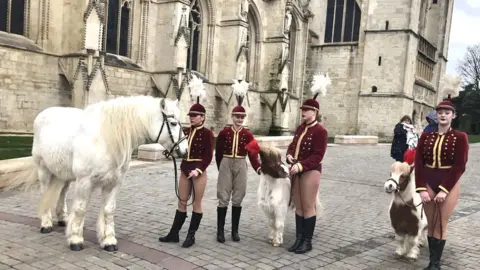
x=274, y=191
x=406, y=211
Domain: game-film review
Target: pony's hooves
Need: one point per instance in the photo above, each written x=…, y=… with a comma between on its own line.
x=276, y=244
x=62, y=224
x=111, y=248
x=76, y=247
x=46, y=230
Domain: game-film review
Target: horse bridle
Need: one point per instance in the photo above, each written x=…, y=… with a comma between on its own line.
x=168, y=153
x=400, y=195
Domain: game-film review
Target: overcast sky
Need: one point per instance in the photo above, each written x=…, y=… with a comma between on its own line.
x=465, y=31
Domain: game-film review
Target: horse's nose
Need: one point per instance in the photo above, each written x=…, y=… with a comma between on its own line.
x=390, y=186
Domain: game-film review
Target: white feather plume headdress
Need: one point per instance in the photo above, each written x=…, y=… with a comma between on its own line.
x=319, y=84
x=197, y=89
x=450, y=86
x=240, y=90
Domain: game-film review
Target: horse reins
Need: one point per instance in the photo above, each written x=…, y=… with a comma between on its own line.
x=168, y=154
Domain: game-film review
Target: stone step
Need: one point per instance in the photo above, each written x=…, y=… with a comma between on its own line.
x=356, y=139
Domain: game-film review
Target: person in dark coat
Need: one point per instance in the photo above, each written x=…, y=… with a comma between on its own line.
x=399, y=143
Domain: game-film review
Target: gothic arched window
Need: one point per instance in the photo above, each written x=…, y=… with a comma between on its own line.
x=118, y=25
x=12, y=16
x=292, y=37
x=252, y=42
x=343, y=21
x=194, y=24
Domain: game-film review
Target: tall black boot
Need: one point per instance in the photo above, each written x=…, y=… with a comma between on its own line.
x=308, y=228
x=236, y=211
x=430, y=250
x=437, y=249
x=299, y=232
x=221, y=213
x=194, y=223
x=172, y=236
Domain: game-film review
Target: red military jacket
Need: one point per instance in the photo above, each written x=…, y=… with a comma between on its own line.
x=200, y=147
x=231, y=143
x=448, y=152
x=309, y=146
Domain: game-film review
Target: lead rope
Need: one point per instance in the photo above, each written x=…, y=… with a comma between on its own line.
x=168, y=154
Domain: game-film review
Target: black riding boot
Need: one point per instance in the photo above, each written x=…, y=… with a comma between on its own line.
x=436, y=254
x=430, y=250
x=308, y=228
x=299, y=232
x=172, y=236
x=194, y=223
x=236, y=211
x=221, y=213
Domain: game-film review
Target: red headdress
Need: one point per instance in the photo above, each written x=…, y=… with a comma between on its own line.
x=409, y=156
x=240, y=89
x=253, y=147
x=319, y=83
x=449, y=87
x=197, y=93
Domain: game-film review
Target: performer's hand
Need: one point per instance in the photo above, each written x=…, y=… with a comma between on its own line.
x=425, y=196
x=290, y=159
x=440, y=197
x=193, y=173
x=294, y=169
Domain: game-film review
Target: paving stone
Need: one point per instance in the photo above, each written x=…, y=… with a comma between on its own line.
x=353, y=231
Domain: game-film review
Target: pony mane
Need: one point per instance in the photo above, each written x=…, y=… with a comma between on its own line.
x=271, y=158
x=124, y=123
x=401, y=167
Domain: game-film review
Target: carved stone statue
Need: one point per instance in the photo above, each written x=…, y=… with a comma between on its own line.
x=244, y=9
x=287, y=21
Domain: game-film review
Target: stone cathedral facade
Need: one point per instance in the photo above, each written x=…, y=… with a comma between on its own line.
x=384, y=57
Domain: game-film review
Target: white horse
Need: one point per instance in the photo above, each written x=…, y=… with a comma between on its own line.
x=406, y=212
x=93, y=148
x=274, y=193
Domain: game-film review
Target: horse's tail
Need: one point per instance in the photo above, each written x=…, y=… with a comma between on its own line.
x=50, y=195
x=23, y=180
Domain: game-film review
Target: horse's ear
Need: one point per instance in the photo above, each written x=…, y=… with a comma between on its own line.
x=411, y=169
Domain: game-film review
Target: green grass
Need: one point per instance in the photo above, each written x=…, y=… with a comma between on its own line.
x=473, y=138
x=15, y=146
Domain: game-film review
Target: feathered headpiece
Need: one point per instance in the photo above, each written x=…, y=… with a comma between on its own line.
x=197, y=89
x=197, y=93
x=320, y=83
x=450, y=86
x=240, y=90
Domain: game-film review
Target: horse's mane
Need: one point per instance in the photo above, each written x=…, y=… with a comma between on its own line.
x=271, y=159
x=125, y=122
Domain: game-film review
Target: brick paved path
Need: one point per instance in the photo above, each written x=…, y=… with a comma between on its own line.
x=353, y=233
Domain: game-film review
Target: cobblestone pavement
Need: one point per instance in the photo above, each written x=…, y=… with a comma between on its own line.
x=352, y=233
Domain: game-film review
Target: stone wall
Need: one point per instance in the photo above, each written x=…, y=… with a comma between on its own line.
x=127, y=82
x=340, y=105
x=29, y=83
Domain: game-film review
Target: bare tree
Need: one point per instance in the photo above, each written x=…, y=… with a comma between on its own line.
x=469, y=67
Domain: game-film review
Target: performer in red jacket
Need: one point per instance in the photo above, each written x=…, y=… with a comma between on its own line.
x=305, y=153
x=193, y=168
x=230, y=156
x=440, y=161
